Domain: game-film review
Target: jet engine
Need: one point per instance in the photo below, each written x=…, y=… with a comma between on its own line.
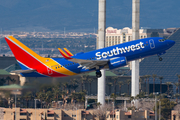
x=117, y=62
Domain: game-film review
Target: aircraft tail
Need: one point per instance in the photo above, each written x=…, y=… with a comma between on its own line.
x=27, y=58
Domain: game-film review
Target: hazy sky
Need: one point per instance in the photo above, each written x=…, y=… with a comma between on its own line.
x=82, y=15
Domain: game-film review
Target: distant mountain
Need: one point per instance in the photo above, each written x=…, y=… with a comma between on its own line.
x=82, y=15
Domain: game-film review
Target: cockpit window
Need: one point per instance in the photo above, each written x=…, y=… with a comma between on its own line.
x=162, y=40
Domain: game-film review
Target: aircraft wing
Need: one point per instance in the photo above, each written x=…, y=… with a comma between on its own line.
x=87, y=64
x=23, y=71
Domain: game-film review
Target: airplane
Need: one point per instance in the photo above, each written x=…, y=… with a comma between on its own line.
x=33, y=65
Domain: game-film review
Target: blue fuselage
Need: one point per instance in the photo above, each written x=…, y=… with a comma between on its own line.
x=130, y=50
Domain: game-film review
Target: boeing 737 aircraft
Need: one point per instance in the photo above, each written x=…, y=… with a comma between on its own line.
x=111, y=57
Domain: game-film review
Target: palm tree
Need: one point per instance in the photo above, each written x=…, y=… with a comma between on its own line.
x=13, y=80
x=41, y=96
x=128, y=83
x=90, y=81
x=176, y=96
x=56, y=92
x=168, y=84
x=148, y=76
x=69, y=86
x=154, y=76
x=48, y=98
x=7, y=95
x=8, y=79
x=63, y=94
x=2, y=81
x=115, y=83
x=65, y=86
x=179, y=82
x=176, y=84
x=83, y=78
x=73, y=96
x=160, y=78
x=109, y=85
x=145, y=79
x=113, y=96
x=120, y=83
x=28, y=96
x=74, y=84
x=140, y=83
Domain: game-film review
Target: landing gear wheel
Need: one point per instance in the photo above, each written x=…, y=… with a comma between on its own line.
x=98, y=74
x=160, y=59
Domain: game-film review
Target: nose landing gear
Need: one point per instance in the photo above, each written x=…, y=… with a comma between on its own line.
x=98, y=74
x=160, y=59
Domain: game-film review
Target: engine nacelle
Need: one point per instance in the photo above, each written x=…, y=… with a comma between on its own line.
x=118, y=62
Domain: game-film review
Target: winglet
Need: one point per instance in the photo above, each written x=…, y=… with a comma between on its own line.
x=68, y=52
x=64, y=54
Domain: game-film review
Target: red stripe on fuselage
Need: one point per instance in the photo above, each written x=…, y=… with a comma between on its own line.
x=30, y=61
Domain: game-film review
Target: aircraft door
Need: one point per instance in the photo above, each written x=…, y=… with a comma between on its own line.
x=152, y=45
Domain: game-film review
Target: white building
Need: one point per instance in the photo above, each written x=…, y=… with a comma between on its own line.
x=116, y=36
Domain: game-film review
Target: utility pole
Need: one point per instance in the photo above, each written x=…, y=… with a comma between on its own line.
x=113, y=110
x=159, y=109
x=135, y=36
x=155, y=107
x=35, y=108
x=15, y=102
x=101, y=44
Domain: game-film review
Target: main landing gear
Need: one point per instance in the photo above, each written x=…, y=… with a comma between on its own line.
x=98, y=73
x=160, y=59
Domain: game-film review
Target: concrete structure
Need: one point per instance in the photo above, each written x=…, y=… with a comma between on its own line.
x=135, y=36
x=101, y=44
x=175, y=114
x=80, y=114
x=1, y=113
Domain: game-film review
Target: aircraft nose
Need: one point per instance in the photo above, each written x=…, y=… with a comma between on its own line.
x=170, y=42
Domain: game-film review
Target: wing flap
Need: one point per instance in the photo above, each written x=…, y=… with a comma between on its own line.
x=89, y=64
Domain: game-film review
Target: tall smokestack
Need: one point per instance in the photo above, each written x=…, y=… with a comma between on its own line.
x=135, y=36
x=101, y=44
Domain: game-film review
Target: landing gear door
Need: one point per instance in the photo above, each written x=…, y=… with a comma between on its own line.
x=152, y=45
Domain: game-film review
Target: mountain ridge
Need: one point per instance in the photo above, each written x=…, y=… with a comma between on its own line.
x=82, y=15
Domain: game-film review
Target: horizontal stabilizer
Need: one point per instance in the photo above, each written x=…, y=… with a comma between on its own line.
x=23, y=71
x=64, y=54
x=68, y=52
